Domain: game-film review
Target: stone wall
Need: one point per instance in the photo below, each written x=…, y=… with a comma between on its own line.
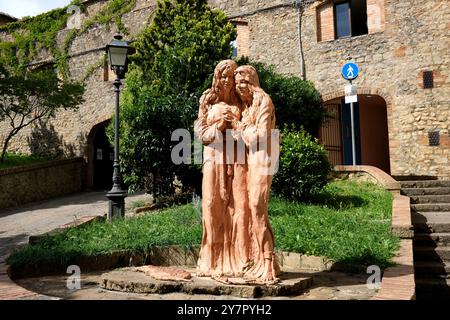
x=87, y=50
x=38, y=182
x=408, y=38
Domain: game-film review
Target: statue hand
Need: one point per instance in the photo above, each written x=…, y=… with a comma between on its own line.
x=222, y=125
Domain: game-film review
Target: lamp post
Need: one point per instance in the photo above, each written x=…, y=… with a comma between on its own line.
x=118, y=51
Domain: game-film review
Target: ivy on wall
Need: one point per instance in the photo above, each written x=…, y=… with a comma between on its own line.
x=30, y=36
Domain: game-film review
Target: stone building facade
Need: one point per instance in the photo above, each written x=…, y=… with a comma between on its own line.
x=403, y=40
x=403, y=127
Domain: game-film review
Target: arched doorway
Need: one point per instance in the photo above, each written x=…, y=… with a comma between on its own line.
x=371, y=132
x=101, y=158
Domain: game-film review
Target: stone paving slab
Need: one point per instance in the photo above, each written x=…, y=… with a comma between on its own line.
x=129, y=280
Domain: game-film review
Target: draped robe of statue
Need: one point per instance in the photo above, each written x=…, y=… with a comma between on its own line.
x=237, y=238
x=256, y=129
x=225, y=241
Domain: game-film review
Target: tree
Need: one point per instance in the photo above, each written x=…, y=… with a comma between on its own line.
x=297, y=102
x=26, y=97
x=173, y=64
x=183, y=44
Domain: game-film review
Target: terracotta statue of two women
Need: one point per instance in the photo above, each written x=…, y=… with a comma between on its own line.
x=235, y=122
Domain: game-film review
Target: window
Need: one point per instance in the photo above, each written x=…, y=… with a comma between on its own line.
x=433, y=138
x=343, y=22
x=350, y=18
x=428, y=82
x=235, y=48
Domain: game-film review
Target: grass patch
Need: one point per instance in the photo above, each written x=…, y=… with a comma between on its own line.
x=348, y=222
x=16, y=160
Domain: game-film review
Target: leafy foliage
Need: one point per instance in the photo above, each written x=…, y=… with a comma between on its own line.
x=32, y=96
x=174, y=60
x=147, y=123
x=182, y=45
x=296, y=101
x=32, y=35
x=17, y=159
x=303, y=167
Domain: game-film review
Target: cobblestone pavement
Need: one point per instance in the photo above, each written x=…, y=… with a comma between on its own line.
x=17, y=224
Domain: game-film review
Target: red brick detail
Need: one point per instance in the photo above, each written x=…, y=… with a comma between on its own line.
x=325, y=21
x=439, y=78
x=243, y=39
x=398, y=282
x=375, y=16
x=400, y=51
x=9, y=290
x=393, y=144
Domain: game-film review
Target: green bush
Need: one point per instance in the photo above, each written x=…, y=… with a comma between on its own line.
x=297, y=102
x=174, y=60
x=303, y=167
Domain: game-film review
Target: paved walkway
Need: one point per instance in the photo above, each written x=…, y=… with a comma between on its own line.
x=18, y=224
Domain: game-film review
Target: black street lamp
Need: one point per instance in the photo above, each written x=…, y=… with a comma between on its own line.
x=118, y=51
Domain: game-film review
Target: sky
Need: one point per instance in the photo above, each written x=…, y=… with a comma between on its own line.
x=22, y=8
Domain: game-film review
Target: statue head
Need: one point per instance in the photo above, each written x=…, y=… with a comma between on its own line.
x=247, y=81
x=223, y=81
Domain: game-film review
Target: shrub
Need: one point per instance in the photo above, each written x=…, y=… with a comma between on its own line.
x=303, y=167
x=297, y=102
x=175, y=58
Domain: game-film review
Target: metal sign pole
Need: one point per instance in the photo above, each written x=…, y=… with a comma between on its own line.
x=350, y=72
x=352, y=125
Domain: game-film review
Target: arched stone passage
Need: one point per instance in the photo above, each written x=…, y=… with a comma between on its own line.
x=373, y=123
x=100, y=158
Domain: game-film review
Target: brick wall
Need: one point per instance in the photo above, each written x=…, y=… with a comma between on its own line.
x=38, y=182
x=325, y=22
x=375, y=15
x=242, y=39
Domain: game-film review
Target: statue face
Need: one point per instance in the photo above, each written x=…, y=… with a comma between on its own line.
x=226, y=80
x=242, y=86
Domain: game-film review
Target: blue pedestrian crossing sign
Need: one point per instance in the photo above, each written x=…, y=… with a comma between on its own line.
x=350, y=71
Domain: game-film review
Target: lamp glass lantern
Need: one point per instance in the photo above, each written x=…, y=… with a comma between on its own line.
x=118, y=51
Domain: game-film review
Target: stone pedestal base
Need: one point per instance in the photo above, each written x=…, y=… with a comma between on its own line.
x=136, y=281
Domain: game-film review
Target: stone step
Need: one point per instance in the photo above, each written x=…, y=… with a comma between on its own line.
x=425, y=184
x=436, y=207
x=414, y=178
x=427, y=269
x=432, y=289
x=423, y=253
x=431, y=199
x=431, y=222
x=425, y=191
x=431, y=239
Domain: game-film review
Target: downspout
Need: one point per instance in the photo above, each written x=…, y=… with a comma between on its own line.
x=300, y=9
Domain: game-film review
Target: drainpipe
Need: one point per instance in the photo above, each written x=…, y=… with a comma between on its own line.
x=301, y=5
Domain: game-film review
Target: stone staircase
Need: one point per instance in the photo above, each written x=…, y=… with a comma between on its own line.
x=430, y=214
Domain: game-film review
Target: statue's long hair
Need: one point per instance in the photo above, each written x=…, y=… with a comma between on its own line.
x=251, y=75
x=214, y=94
